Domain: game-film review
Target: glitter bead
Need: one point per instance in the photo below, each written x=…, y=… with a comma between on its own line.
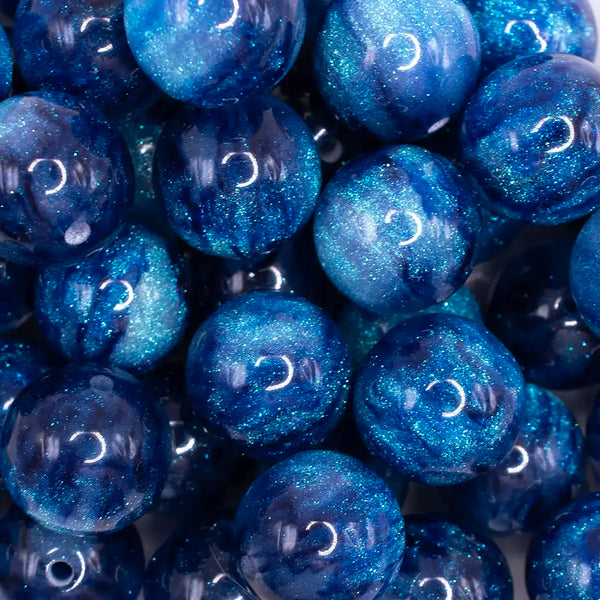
x=593, y=434
x=396, y=230
x=6, y=64
x=319, y=525
x=439, y=399
x=529, y=138
x=496, y=233
x=16, y=295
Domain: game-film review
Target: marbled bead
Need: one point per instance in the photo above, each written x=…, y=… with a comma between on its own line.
x=396, y=230
x=593, y=434
x=319, y=525
x=16, y=295
x=529, y=138
x=66, y=179
x=439, y=399
x=400, y=69
x=215, y=53
x=85, y=450
x=6, y=64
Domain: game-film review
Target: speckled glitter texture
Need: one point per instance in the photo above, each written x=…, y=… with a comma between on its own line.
x=237, y=183
x=85, y=450
x=106, y=309
x=6, y=65
x=270, y=372
x=400, y=68
x=215, y=53
x=439, y=399
x=529, y=137
x=396, y=230
x=66, y=179
x=593, y=434
x=319, y=526
x=444, y=561
x=563, y=558
x=16, y=295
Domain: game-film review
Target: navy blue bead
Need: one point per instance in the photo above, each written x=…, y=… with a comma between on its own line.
x=401, y=69
x=124, y=306
x=270, y=372
x=439, y=399
x=529, y=138
x=593, y=434
x=496, y=233
x=396, y=230
x=6, y=64
x=85, y=450
x=445, y=561
x=66, y=179
x=16, y=295
x=215, y=53
x=319, y=526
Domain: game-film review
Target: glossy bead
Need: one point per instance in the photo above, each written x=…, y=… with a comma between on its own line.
x=270, y=372
x=16, y=295
x=528, y=138
x=400, y=69
x=215, y=53
x=445, y=561
x=593, y=434
x=66, y=180
x=319, y=525
x=496, y=233
x=123, y=306
x=6, y=64
x=439, y=399
x=85, y=450
x=396, y=230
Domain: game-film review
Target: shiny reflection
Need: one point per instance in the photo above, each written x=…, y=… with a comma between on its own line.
x=61, y=167
x=85, y=25
x=415, y=44
x=189, y=445
x=77, y=233
x=334, y=536
x=288, y=378
x=60, y=583
x=462, y=397
x=253, y=162
x=416, y=220
x=569, y=123
x=277, y=274
x=532, y=26
x=232, y=19
x=440, y=580
x=98, y=436
x=523, y=463
x=129, y=289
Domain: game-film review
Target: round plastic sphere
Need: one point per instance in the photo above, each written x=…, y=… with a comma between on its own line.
x=85, y=450
x=215, y=53
x=126, y=304
x=396, y=230
x=66, y=179
x=593, y=434
x=400, y=69
x=6, y=64
x=319, y=525
x=439, y=399
x=16, y=295
x=270, y=372
x=525, y=138
x=445, y=561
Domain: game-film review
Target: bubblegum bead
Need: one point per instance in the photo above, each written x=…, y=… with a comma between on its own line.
x=16, y=295
x=6, y=64
x=529, y=138
x=396, y=230
x=85, y=450
x=439, y=399
x=400, y=69
x=270, y=372
x=66, y=180
x=319, y=525
x=215, y=53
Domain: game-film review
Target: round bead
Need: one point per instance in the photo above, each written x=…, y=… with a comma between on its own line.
x=85, y=450
x=396, y=230
x=6, y=64
x=115, y=299
x=439, y=399
x=400, y=69
x=496, y=233
x=16, y=295
x=319, y=525
x=66, y=181
x=215, y=53
x=528, y=138
x=270, y=372
x=593, y=434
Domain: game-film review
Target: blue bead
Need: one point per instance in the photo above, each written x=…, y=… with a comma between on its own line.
x=496, y=233
x=123, y=306
x=215, y=53
x=270, y=372
x=396, y=230
x=66, y=180
x=85, y=450
x=319, y=525
x=399, y=68
x=541, y=473
x=16, y=295
x=445, y=561
x=6, y=64
x=439, y=399
x=39, y=563
x=593, y=434
x=528, y=138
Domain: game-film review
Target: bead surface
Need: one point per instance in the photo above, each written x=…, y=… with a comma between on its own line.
x=6, y=64
x=16, y=295
x=593, y=434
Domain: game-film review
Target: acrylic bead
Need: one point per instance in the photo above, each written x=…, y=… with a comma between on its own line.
x=528, y=138
x=85, y=450
x=396, y=230
x=270, y=372
x=593, y=434
x=319, y=525
x=6, y=64
x=124, y=306
x=400, y=69
x=439, y=399
x=66, y=180
x=16, y=295
x=215, y=53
